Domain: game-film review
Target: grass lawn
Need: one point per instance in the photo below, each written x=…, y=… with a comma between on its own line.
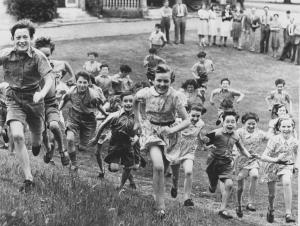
x=61, y=200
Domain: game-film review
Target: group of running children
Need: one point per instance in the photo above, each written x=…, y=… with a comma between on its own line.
x=146, y=116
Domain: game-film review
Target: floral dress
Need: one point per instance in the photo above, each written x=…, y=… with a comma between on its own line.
x=277, y=145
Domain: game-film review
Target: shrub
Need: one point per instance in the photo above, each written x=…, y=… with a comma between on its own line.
x=35, y=10
x=94, y=7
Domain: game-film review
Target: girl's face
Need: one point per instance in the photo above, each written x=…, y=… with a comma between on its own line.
x=127, y=103
x=22, y=40
x=190, y=88
x=82, y=84
x=162, y=82
x=202, y=60
x=229, y=123
x=104, y=71
x=225, y=85
x=281, y=111
x=91, y=57
x=250, y=125
x=195, y=116
x=286, y=128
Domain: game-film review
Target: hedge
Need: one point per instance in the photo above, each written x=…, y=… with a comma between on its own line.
x=94, y=7
x=35, y=10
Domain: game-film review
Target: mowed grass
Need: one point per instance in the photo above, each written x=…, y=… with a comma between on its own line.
x=61, y=200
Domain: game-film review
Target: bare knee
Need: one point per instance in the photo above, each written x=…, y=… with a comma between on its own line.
x=70, y=137
x=228, y=184
x=18, y=138
x=188, y=174
x=158, y=169
x=54, y=126
x=114, y=167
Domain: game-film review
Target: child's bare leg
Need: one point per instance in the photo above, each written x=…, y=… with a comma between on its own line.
x=99, y=158
x=241, y=179
x=287, y=192
x=125, y=176
x=58, y=136
x=175, y=175
x=271, y=188
x=46, y=140
x=71, y=147
x=253, y=181
x=158, y=176
x=225, y=186
x=188, y=172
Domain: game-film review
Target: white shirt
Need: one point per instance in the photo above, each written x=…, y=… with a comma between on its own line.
x=180, y=10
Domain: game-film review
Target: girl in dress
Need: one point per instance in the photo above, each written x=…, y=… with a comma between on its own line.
x=159, y=131
x=203, y=26
x=281, y=155
x=237, y=28
x=275, y=28
x=225, y=25
x=188, y=142
x=212, y=25
x=252, y=138
x=280, y=111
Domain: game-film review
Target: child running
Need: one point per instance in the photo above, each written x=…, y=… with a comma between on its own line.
x=122, y=82
x=92, y=65
x=157, y=38
x=252, y=138
x=188, y=142
x=221, y=157
x=104, y=81
x=281, y=155
x=159, y=131
x=280, y=111
x=201, y=69
x=124, y=138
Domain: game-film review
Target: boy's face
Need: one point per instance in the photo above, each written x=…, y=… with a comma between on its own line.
x=104, y=71
x=281, y=111
x=250, y=125
x=280, y=87
x=162, y=82
x=190, y=88
x=82, y=84
x=127, y=103
x=157, y=29
x=91, y=57
x=46, y=51
x=22, y=40
x=225, y=85
x=202, y=60
x=286, y=127
x=195, y=116
x=229, y=123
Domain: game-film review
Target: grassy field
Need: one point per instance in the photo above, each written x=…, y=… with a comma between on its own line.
x=63, y=200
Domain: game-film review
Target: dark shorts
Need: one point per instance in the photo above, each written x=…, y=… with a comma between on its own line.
x=20, y=107
x=219, y=169
x=83, y=126
x=51, y=112
x=202, y=80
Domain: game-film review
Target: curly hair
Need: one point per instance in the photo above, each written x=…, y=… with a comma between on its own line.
x=188, y=83
x=25, y=23
x=249, y=115
x=42, y=42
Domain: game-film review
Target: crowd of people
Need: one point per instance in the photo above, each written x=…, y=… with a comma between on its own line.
x=241, y=25
x=142, y=118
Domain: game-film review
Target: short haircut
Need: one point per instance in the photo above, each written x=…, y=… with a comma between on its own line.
x=84, y=75
x=249, y=115
x=124, y=68
x=276, y=14
x=152, y=51
x=225, y=79
x=104, y=65
x=125, y=94
x=230, y=113
x=164, y=68
x=279, y=81
x=188, y=83
x=288, y=12
x=25, y=23
x=158, y=26
x=198, y=107
x=280, y=120
x=43, y=42
x=93, y=53
x=276, y=107
x=201, y=54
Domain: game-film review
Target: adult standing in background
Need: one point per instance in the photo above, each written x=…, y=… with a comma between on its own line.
x=212, y=25
x=225, y=25
x=255, y=23
x=179, y=14
x=237, y=28
x=203, y=25
x=289, y=46
x=284, y=24
x=265, y=31
x=166, y=14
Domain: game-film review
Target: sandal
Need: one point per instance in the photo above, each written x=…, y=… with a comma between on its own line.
x=239, y=211
x=270, y=215
x=289, y=218
x=225, y=215
x=250, y=207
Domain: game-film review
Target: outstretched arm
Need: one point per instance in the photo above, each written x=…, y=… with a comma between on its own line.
x=242, y=149
x=103, y=125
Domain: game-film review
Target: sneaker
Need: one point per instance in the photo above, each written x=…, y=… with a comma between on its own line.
x=27, y=186
x=36, y=150
x=49, y=155
x=161, y=214
x=211, y=190
x=270, y=216
x=65, y=159
x=132, y=186
x=289, y=218
x=101, y=175
x=250, y=207
x=239, y=211
x=188, y=202
x=173, y=192
x=225, y=215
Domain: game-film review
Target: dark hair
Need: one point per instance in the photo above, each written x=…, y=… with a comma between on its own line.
x=104, y=65
x=188, y=83
x=25, y=23
x=93, y=53
x=152, y=51
x=198, y=107
x=212, y=6
x=125, y=94
x=288, y=12
x=201, y=54
x=279, y=81
x=42, y=42
x=203, y=86
x=280, y=120
x=124, y=68
x=276, y=108
x=84, y=75
x=249, y=115
x=230, y=113
x=225, y=79
x=158, y=26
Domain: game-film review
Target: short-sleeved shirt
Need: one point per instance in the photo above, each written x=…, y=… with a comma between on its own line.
x=121, y=84
x=161, y=108
x=200, y=68
x=86, y=102
x=157, y=38
x=93, y=68
x=166, y=12
x=151, y=61
x=105, y=83
x=224, y=143
x=279, y=98
x=24, y=72
x=229, y=94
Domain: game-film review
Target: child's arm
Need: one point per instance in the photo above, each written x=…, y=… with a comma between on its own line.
x=70, y=71
x=242, y=149
x=103, y=125
x=65, y=100
x=240, y=95
x=213, y=93
x=146, y=62
x=265, y=156
x=267, y=99
x=194, y=71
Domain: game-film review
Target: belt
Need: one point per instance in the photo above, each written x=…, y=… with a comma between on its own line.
x=162, y=123
x=25, y=90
